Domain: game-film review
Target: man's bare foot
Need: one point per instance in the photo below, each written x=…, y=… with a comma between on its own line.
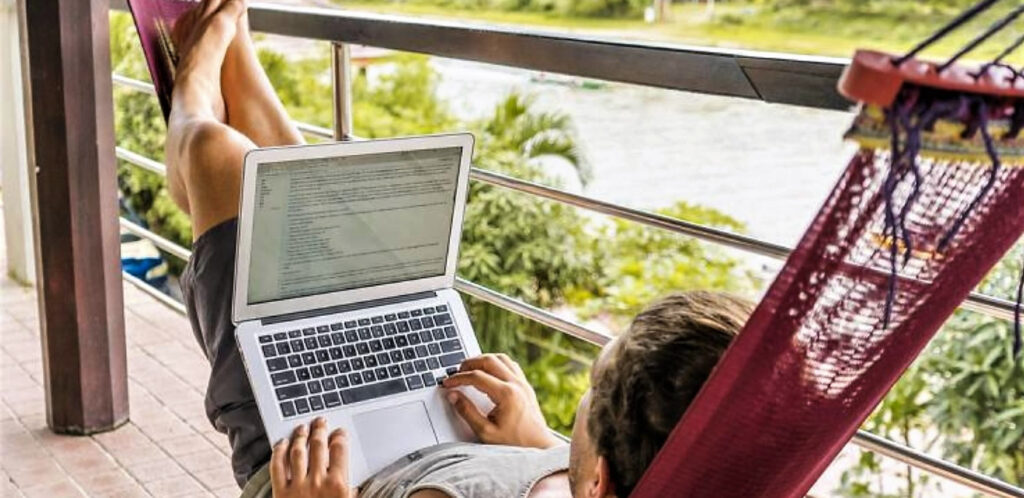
x=202, y=36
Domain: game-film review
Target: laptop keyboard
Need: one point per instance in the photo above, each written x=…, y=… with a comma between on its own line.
x=327, y=366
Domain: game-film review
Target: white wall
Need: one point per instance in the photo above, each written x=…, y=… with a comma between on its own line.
x=14, y=182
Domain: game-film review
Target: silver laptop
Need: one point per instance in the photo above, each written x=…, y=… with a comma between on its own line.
x=344, y=299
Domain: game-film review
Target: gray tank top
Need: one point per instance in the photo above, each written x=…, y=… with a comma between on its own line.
x=461, y=470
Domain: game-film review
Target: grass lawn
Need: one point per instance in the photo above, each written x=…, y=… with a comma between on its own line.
x=813, y=31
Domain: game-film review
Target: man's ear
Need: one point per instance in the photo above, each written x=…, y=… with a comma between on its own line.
x=602, y=485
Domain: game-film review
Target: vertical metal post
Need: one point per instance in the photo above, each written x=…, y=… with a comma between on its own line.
x=341, y=65
x=13, y=151
x=75, y=203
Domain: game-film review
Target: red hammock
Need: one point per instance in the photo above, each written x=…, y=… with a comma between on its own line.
x=927, y=206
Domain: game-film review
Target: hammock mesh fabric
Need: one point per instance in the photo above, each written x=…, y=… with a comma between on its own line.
x=838, y=325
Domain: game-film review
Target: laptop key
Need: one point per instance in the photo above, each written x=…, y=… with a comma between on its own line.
x=324, y=340
x=376, y=346
x=449, y=331
x=317, y=371
x=350, y=324
x=336, y=353
x=363, y=348
x=390, y=329
x=377, y=319
x=266, y=338
x=349, y=350
x=451, y=371
x=301, y=405
x=282, y=378
x=428, y=310
x=343, y=366
x=322, y=356
x=434, y=348
x=414, y=382
x=451, y=345
x=275, y=364
x=409, y=353
x=320, y=329
x=368, y=376
x=336, y=326
x=364, y=322
x=396, y=356
x=341, y=381
x=377, y=331
x=370, y=361
x=421, y=351
x=407, y=368
x=316, y=402
x=441, y=307
x=303, y=374
x=308, y=331
x=314, y=387
x=438, y=334
x=427, y=321
x=355, y=379
x=383, y=358
x=308, y=358
x=328, y=384
x=388, y=343
x=280, y=336
x=364, y=334
x=425, y=336
x=351, y=336
x=287, y=409
x=338, y=338
x=283, y=348
x=331, y=369
x=357, y=363
x=428, y=379
x=394, y=370
x=414, y=338
x=294, y=333
x=433, y=364
x=420, y=365
x=452, y=359
x=403, y=314
x=443, y=319
x=310, y=343
x=297, y=346
x=402, y=341
x=294, y=361
x=269, y=351
x=290, y=392
x=332, y=400
x=381, y=373
x=390, y=317
x=417, y=312
x=355, y=395
x=403, y=327
x=414, y=324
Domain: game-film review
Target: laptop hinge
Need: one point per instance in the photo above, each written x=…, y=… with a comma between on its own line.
x=290, y=317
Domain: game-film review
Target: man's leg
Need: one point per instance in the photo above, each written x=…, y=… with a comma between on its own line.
x=205, y=158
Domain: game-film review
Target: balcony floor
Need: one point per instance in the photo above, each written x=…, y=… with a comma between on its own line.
x=168, y=448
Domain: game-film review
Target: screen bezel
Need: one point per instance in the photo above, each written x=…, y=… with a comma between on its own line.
x=243, y=311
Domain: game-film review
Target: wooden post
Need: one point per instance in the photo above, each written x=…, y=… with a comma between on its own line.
x=79, y=275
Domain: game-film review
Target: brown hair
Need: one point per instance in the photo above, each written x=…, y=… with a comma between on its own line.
x=652, y=373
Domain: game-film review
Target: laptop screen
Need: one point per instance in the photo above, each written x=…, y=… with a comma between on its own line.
x=331, y=224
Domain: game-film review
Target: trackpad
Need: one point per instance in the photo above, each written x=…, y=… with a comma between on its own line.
x=389, y=433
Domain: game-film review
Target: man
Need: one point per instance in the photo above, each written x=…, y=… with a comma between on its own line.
x=224, y=106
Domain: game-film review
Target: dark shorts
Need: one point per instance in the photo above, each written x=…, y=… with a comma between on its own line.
x=207, y=285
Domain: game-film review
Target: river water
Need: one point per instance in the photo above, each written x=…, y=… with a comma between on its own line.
x=770, y=166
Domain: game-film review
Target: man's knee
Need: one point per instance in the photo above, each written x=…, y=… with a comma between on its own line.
x=211, y=172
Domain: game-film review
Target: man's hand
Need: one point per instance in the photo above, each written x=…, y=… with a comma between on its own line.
x=516, y=419
x=311, y=465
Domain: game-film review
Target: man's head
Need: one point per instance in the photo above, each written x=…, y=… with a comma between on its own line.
x=643, y=382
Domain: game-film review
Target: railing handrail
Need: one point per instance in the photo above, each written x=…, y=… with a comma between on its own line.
x=768, y=76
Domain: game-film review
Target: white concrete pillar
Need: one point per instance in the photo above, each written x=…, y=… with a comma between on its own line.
x=17, y=202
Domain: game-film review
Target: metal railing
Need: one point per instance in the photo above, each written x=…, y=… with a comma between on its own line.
x=781, y=78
